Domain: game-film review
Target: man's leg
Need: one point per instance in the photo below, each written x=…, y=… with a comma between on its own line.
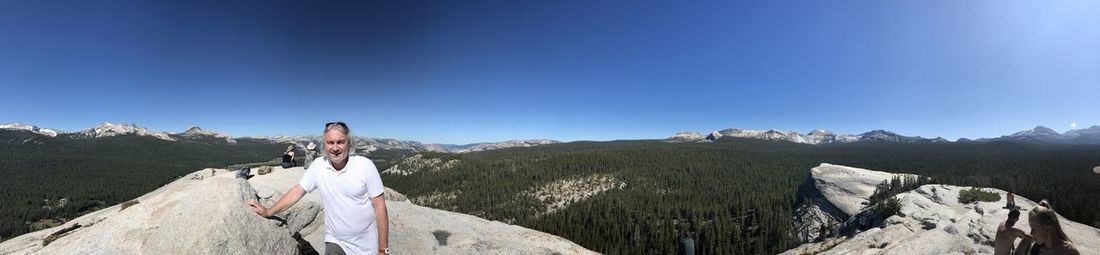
x=333, y=249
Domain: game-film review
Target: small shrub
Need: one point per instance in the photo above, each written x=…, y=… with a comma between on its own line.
x=127, y=204
x=973, y=194
x=60, y=233
x=46, y=223
x=889, y=207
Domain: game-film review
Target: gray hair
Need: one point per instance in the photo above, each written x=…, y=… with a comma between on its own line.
x=343, y=128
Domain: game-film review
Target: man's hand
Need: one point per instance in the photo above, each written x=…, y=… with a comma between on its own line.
x=1021, y=234
x=292, y=196
x=259, y=209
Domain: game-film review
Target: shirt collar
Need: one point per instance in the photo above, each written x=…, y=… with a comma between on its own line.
x=328, y=165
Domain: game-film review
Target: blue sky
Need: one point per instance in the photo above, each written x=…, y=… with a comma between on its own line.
x=471, y=71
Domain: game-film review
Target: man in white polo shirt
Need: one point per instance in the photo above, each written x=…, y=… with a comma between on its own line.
x=356, y=221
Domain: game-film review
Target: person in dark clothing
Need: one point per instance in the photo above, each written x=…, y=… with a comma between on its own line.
x=288, y=157
x=1047, y=234
x=1007, y=234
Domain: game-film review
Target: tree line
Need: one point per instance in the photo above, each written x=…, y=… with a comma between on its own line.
x=736, y=194
x=91, y=174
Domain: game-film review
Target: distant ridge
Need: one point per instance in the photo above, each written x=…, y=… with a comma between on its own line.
x=1089, y=135
x=31, y=128
x=1038, y=134
x=198, y=134
x=818, y=136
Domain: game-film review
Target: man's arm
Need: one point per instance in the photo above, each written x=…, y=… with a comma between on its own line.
x=1023, y=247
x=1020, y=233
x=290, y=198
x=383, y=220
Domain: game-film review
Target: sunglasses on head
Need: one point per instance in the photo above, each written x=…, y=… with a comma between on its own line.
x=341, y=124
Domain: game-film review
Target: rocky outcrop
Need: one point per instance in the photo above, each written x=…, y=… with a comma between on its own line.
x=930, y=221
x=833, y=194
x=417, y=163
x=848, y=188
x=205, y=213
x=202, y=213
x=421, y=230
x=559, y=194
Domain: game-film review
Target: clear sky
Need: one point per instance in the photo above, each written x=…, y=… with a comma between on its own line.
x=471, y=71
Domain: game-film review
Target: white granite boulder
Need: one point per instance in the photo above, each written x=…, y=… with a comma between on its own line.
x=932, y=221
x=205, y=213
x=202, y=213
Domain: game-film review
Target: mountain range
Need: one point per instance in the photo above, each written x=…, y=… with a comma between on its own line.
x=197, y=134
x=1039, y=134
x=1089, y=135
x=32, y=129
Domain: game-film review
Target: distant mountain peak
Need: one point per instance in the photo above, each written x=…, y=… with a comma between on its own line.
x=197, y=132
x=888, y=136
x=1094, y=130
x=817, y=136
x=193, y=129
x=878, y=132
x=108, y=129
x=1043, y=134
x=1037, y=131
x=821, y=132
x=31, y=128
x=686, y=136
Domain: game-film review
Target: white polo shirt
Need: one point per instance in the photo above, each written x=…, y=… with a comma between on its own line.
x=349, y=213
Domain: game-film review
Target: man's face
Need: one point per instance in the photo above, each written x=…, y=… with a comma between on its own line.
x=336, y=145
